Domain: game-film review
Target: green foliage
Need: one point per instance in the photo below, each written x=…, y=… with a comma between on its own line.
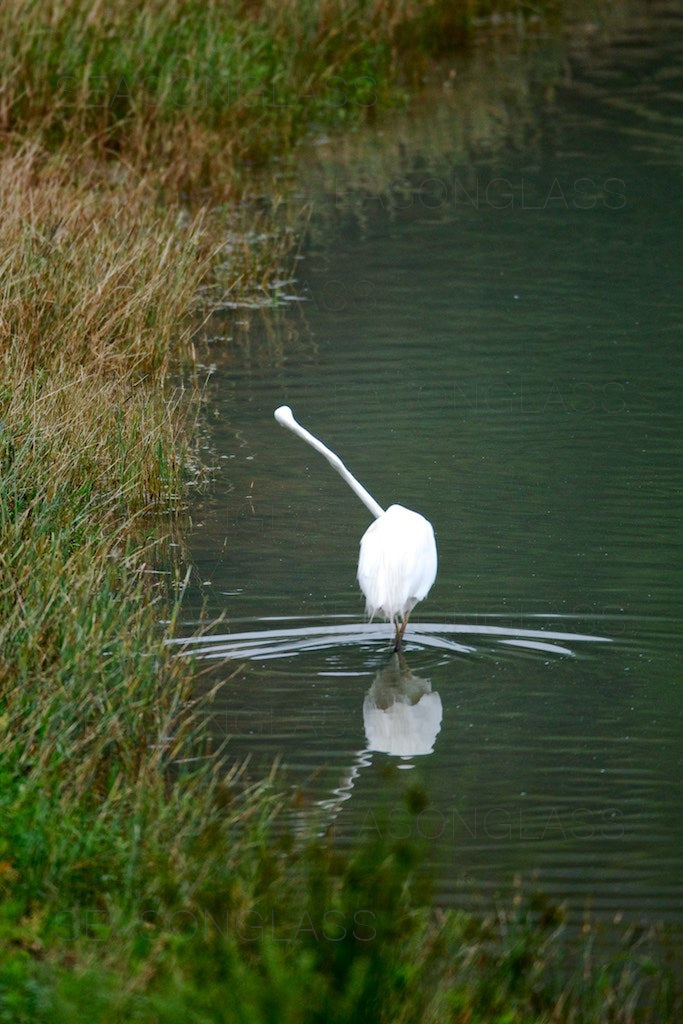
x=327, y=948
x=198, y=86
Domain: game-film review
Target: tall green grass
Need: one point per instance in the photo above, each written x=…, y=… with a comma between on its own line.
x=213, y=918
x=199, y=87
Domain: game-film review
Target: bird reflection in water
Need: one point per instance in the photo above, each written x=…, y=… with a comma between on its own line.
x=401, y=713
x=402, y=717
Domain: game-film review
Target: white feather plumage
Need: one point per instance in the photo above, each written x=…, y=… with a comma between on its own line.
x=397, y=562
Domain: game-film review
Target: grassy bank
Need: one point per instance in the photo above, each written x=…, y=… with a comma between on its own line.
x=139, y=878
x=204, y=89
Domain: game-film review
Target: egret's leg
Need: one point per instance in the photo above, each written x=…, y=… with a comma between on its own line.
x=400, y=630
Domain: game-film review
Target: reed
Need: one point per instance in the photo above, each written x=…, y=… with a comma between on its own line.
x=204, y=89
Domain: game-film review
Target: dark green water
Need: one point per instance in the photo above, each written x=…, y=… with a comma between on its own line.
x=492, y=337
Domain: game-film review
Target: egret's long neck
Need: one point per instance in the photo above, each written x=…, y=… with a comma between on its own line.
x=285, y=418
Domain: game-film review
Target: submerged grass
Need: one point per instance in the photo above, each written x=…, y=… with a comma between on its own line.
x=140, y=877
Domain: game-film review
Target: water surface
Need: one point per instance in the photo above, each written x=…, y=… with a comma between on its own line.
x=491, y=335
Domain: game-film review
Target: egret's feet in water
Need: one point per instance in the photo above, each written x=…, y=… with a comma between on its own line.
x=400, y=630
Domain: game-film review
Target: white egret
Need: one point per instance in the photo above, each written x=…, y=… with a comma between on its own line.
x=397, y=560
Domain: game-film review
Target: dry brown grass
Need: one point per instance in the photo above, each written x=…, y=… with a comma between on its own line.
x=96, y=274
x=103, y=288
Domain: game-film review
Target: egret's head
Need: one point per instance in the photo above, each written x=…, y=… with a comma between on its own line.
x=284, y=415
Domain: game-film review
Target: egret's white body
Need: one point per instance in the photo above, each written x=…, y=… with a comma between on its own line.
x=397, y=562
